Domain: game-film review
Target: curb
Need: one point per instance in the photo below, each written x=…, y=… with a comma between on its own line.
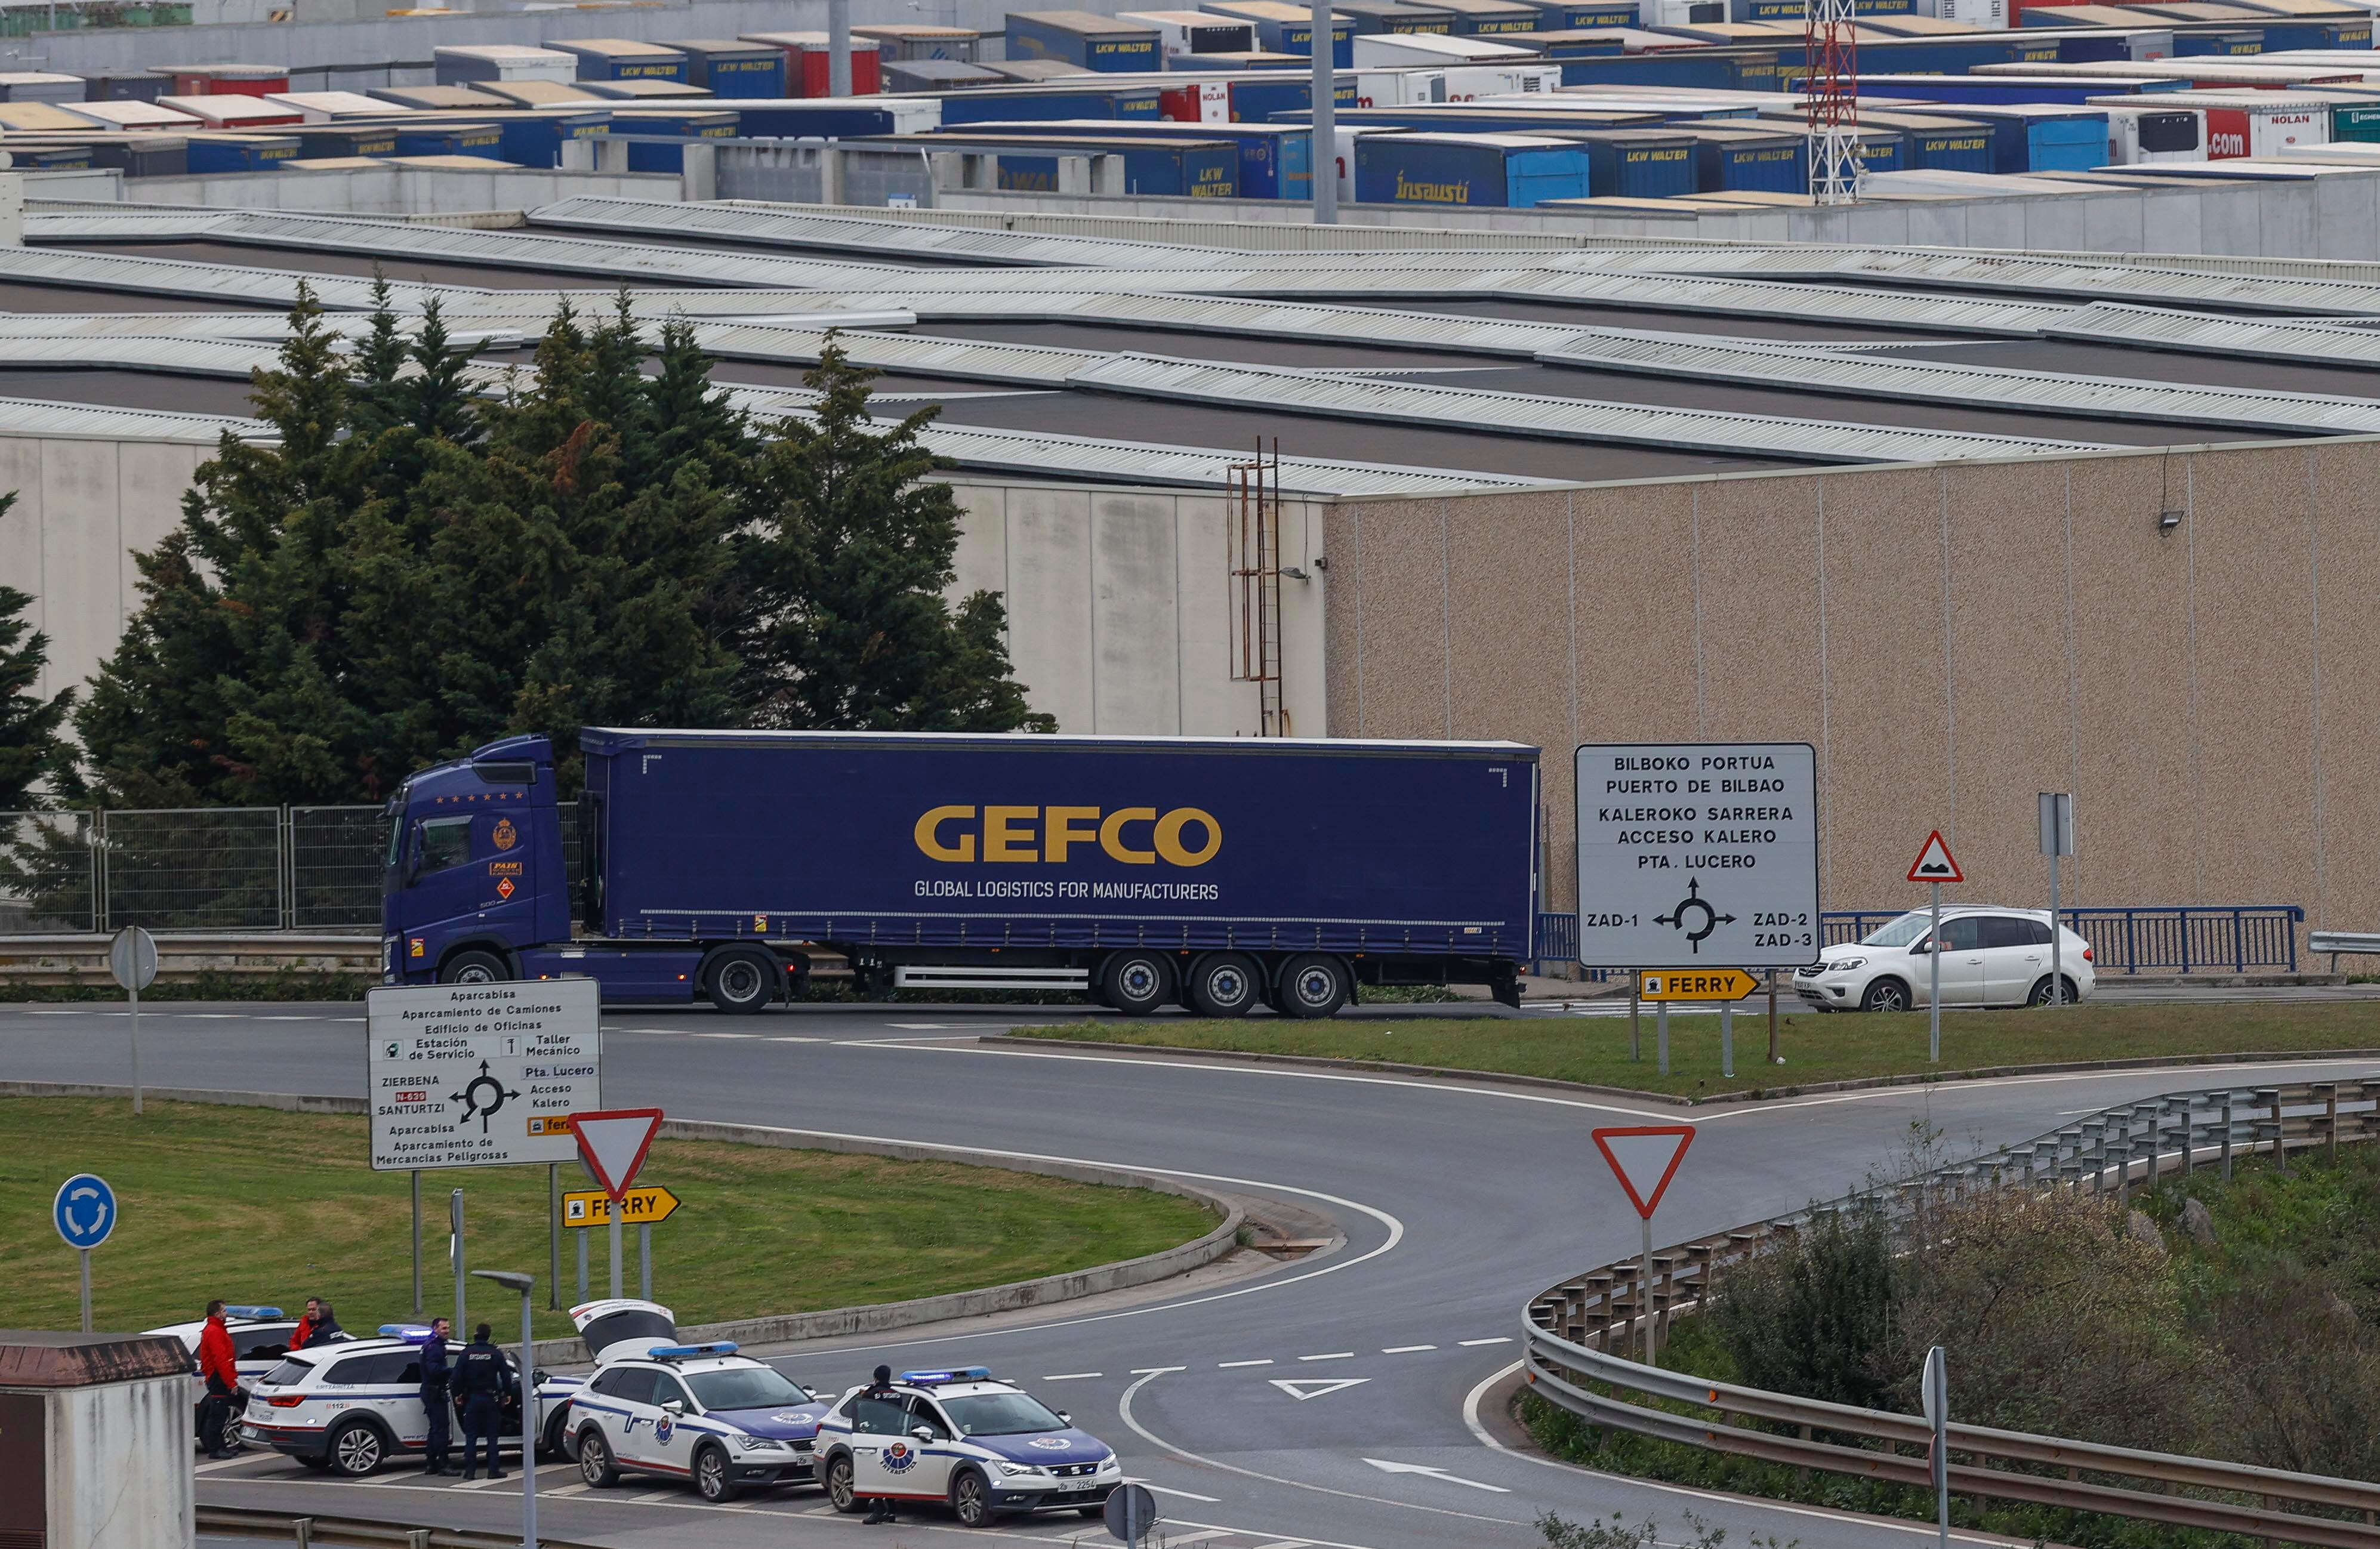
x=1758, y=1094
x=834, y=1322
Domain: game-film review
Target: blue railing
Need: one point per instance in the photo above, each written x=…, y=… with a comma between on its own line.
x=2184, y=939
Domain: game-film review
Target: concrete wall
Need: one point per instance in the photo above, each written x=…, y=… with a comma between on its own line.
x=119, y=1473
x=83, y=507
x=1952, y=639
x=398, y=190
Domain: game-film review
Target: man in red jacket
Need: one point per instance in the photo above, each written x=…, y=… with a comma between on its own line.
x=219, y=1368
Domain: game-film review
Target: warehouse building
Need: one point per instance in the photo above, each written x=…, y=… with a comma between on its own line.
x=1974, y=524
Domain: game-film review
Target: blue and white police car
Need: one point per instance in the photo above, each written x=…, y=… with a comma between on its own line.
x=351, y=1407
x=700, y=1412
x=987, y=1447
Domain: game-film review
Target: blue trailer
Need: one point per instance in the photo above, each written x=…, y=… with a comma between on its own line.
x=2070, y=89
x=1284, y=98
x=2034, y=137
x=1575, y=43
x=1204, y=168
x=1282, y=28
x=732, y=66
x=533, y=137
x=483, y=138
x=1497, y=172
x=677, y=124
x=622, y=59
x=1636, y=163
x=1095, y=43
x=2239, y=43
x=1732, y=159
x=1697, y=69
x=986, y=105
x=1568, y=16
x=229, y=150
x=325, y=141
x=1373, y=17
x=1221, y=873
x=1276, y=161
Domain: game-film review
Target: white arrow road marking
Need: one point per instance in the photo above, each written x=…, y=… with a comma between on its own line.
x=1423, y=1469
x=1315, y=1387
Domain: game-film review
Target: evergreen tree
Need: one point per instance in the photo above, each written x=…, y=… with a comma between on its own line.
x=30, y=747
x=844, y=564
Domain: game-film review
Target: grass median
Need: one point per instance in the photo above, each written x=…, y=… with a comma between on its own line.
x=1816, y=1046
x=255, y=1205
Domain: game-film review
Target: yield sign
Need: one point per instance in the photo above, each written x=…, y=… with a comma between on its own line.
x=1316, y=1387
x=615, y=1143
x=1934, y=863
x=1646, y=1158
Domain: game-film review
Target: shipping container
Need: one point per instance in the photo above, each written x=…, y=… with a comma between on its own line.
x=1373, y=16
x=227, y=110
x=464, y=63
x=809, y=65
x=841, y=117
x=1636, y=163
x=544, y=95
x=1880, y=149
x=1570, y=16
x=534, y=137
x=2137, y=134
x=1469, y=171
x=1488, y=19
x=216, y=151
x=1693, y=68
x=2242, y=43
x=2355, y=121
x=1183, y=33
x=44, y=118
x=2039, y=138
x=134, y=116
x=40, y=86
x=732, y=67
x=1020, y=103
x=2243, y=127
x=125, y=86
x=1282, y=28
x=1155, y=168
x=2103, y=44
x=347, y=140
x=668, y=93
x=145, y=155
x=1276, y=161
x=905, y=40
x=1425, y=51
x=937, y=75
x=1032, y=72
x=1575, y=45
x=441, y=99
x=51, y=158
x=1284, y=98
x=1732, y=160
x=483, y=140
x=678, y=123
x=622, y=59
x=1930, y=143
x=2002, y=89
x=243, y=81
x=1255, y=59
x=1198, y=99
x=1105, y=43
x=329, y=107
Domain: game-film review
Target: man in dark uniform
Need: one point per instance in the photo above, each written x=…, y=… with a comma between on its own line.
x=879, y=1508
x=479, y=1383
x=434, y=1396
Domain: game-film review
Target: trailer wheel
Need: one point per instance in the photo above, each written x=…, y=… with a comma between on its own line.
x=741, y=981
x=1311, y=987
x=1137, y=983
x=474, y=968
x=1224, y=985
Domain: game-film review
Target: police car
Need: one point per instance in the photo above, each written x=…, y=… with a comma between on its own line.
x=260, y=1337
x=348, y=1407
x=694, y=1411
x=988, y=1448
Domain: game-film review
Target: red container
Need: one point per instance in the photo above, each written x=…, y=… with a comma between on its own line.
x=1197, y=102
x=247, y=81
x=810, y=71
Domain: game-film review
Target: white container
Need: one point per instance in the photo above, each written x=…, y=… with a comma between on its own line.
x=1992, y=16
x=2148, y=133
x=1391, y=50
x=324, y=107
x=1397, y=88
x=1186, y=34
x=467, y=63
x=1469, y=83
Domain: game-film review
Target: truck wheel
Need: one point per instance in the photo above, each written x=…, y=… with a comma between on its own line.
x=741, y=981
x=1311, y=987
x=1137, y=983
x=474, y=968
x=1224, y=985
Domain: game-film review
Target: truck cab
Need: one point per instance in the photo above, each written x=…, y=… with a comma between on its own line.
x=473, y=872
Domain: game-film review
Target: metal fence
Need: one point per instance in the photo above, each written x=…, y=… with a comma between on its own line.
x=1575, y=1334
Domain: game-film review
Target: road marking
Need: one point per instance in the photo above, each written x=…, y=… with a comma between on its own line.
x=1168, y=1490
x=790, y=1038
x=1334, y=1355
x=656, y=1496
x=1072, y=1376
x=222, y=1463
x=581, y=1489
x=1227, y=1365
x=1283, y=1544
x=727, y=1034
x=1500, y=1339
x=1439, y=1474
x=1155, y=1370
x=1171, y=1539
x=1406, y=1350
x=1303, y=1388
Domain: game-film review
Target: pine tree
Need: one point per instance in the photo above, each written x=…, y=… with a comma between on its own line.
x=31, y=744
x=844, y=566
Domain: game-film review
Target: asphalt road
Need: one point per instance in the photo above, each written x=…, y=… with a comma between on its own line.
x=1262, y=1409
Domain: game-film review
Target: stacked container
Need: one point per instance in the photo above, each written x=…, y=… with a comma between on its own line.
x=125, y=86
x=534, y=137
x=1275, y=160
x=225, y=111
x=462, y=64
x=936, y=74
x=204, y=80
x=808, y=65
x=904, y=41
x=1282, y=28
x=1108, y=45
x=1511, y=172
x=1487, y=18
x=1373, y=16
x=622, y=59
x=732, y=66
x=1184, y=34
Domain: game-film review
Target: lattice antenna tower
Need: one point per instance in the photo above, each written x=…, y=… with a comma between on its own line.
x=1832, y=50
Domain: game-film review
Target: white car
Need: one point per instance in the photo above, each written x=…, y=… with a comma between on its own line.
x=987, y=1447
x=1990, y=957
x=349, y=1408
x=695, y=1412
x=260, y=1337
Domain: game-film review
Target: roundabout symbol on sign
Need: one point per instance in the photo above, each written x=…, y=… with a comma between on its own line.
x=469, y=1098
x=1712, y=918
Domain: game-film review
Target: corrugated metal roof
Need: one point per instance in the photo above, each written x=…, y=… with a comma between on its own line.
x=1834, y=371
x=1145, y=463
x=158, y=276
x=2314, y=343
x=29, y=417
x=1025, y=364
x=1520, y=413
x=200, y=358
x=2078, y=276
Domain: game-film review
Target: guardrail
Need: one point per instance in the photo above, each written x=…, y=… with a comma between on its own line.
x=1574, y=1332
x=308, y=1531
x=2344, y=943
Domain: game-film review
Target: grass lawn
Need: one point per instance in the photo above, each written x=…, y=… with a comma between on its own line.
x=255, y=1205
x=1816, y=1046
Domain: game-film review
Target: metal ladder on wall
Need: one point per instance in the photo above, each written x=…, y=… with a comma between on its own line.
x=1253, y=536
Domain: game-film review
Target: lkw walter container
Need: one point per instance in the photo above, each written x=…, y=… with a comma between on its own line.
x=1157, y=169
x=1468, y=171
x=1491, y=18
x=677, y=124
x=1278, y=96
x=534, y=137
x=809, y=63
x=1565, y=16
x=622, y=59
x=1732, y=160
x=1221, y=872
x=1276, y=161
x=986, y=105
x=1373, y=16
x=1096, y=42
x=732, y=66
x=1286, y=29
x=1182, y=34
x=485, y=140
x=1638, y=164
x=1937, y=143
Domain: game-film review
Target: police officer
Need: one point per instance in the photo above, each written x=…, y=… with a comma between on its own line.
x=434, y=1398
x=480, y=1380
x=879, y=1508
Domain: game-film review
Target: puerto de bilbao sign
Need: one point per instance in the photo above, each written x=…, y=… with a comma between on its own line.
x=1697, y=856
x=480, y=1075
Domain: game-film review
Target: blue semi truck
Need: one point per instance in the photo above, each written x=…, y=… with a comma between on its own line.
x=1220, y=873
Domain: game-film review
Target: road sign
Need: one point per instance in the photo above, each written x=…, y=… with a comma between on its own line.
x=1694, y=984
x=1698, y=852
x=592, y=1207
x=1646, y=1158
x=1131, y=1511
x=2057, y=823
x=480, y=1075
x=132, y=959
x=614, y=1144
x=1935, y=862
x=84, y=1210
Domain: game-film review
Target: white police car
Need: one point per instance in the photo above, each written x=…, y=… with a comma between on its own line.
x=988, y=1448
x=260, y=1337
x=349, y=1408
x=695, y=1412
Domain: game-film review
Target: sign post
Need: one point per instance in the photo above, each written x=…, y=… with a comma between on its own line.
x=1131, y=1511
x=132, y=961
x=1644, y=1158
x=1725, y=985
x=1933, y=866
x=2057, y=838
x=84, y=1212
x=1935, y=1393
x=455, y=1253
x=613, y=1144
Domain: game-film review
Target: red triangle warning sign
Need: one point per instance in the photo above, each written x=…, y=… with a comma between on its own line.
x=1646, y=1158
x=1934, y=863
x=615, y=1143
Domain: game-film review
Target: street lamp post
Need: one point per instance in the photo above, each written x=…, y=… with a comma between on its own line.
x=532, y=1417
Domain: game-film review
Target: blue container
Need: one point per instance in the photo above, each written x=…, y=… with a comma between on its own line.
x=622, y=59
x=2229, y=44
x=946, y=847
x=1568, y=16
x=1284, y=98
x=322, y=141
x=1286, y=29
x=451, y=140
x=1695, y=69
x=2283, y=37
x=1493, y=19
x=1095, y=43
x=1374, y=17
x=1468, y=171
x=1939, y=144
x=222, y=151
x=1161, y=169
x=1882, y=151
x=53, y=157
x=732, y=68
x=1276, y=161
x=680, y=123
x=533, y=137
x=1638, y=163
x=1577, y=43
x=839, y=117
x=989, y=104
x=1748, y=160
x=2070, y=89
x=2033, y=137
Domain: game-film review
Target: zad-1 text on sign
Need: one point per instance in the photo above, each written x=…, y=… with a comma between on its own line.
x=482, y=1075
x=1698, y=854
